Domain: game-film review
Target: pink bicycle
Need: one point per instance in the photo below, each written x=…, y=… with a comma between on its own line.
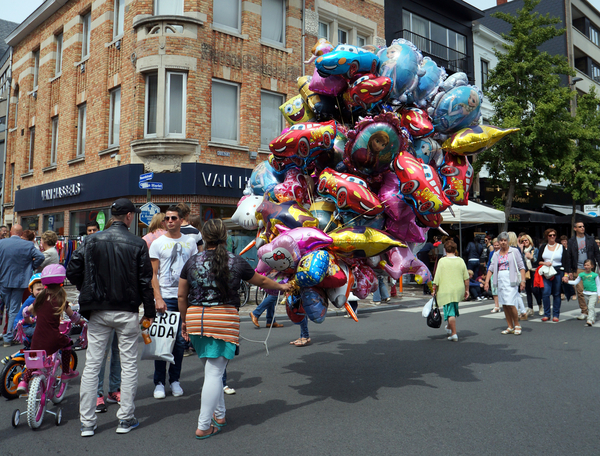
x=45, y=385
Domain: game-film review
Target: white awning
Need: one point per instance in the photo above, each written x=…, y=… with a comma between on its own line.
x=473, y=213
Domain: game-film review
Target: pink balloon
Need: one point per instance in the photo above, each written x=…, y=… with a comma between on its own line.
x=365, y=281
x=402, y=261
x=308, y=239
x=282, y=255
x=293, y=188
x=331, y=85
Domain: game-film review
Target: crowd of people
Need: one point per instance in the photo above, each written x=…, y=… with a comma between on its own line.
x=180, y=266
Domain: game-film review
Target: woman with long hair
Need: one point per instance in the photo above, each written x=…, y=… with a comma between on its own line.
x=209, y=306
x=552, y=254
x=530, y=254
x=156, y=228
x=509, y=274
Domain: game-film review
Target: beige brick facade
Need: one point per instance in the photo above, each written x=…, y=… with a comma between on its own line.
x=187, y=43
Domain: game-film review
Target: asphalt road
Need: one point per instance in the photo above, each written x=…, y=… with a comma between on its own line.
x=385, y=385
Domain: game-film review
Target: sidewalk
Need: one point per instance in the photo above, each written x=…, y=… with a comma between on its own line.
x=412, y=296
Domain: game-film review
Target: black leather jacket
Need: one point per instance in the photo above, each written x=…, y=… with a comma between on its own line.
x=590, y=248
x=112, y=271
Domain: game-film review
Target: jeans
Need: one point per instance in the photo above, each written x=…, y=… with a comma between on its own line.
x=12, y=298
x=100, y=327
x=475, y=292
x=267, y=304
x=473, y=265
x=529, y=291
x=160, y=367
x=552, y=287
x=304, y=328
x=114, y=375
x=382, y=291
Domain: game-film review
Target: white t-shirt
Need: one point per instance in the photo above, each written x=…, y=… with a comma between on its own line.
x=172, y=254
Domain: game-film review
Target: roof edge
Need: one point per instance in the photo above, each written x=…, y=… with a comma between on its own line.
x=43, y=12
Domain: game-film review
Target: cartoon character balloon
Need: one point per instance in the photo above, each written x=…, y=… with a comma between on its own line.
x=245, y=214
x=402, y=261
x=428, y=150
x=264, y=178
x=350, y=193
x=416, y=121
x=400, y=62
x=458, y=174
x=458, y=108
x=282, y=254
x=367, y=90
x=293, y=188
x=429, y=82
x=296, y=110
x=288, y=214
x=339, y=295
x=323, y=106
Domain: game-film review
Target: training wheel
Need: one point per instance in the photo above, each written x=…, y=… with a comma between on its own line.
x=58, y=418
x=16, y=417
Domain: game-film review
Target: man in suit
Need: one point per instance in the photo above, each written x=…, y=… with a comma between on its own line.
x=18, y=259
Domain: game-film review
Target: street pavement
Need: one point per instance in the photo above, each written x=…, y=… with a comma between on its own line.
x=385, y=385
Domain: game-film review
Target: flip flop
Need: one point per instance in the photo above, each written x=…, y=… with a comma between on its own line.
x=216, y=423
x=215, y=431
x=302, y=342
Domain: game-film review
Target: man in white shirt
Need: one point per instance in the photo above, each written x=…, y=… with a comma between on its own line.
x=168, y=254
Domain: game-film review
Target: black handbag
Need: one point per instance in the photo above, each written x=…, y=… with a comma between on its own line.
x=434, y=319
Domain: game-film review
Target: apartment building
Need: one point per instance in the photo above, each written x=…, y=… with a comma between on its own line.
x=103, y=91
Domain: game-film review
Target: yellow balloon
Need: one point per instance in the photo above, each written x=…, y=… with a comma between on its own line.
x=475, y=139
x=361, y=242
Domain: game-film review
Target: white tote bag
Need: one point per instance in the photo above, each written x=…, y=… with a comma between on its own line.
x=427, y=308
x=163, y=333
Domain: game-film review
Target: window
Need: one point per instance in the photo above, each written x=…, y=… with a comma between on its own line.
x=485, y=69
x=323, y=30
x=176, y=102
x=594, y=36
x=119, y=18
x=16, y=105
x=360, y=41
x=54, y=222
x=87, y=29
x=151, y=104
x=54, y=141
x=226, y=13
x=81, y=130
x=59, y=45
x=2, y=123
x=168, y=8
x=595, y=73
x=273, y=21
x=36, y=68
x=342, y=36
x=225, y=106
x=271, y=120
x=115, y=117
x=31, y=148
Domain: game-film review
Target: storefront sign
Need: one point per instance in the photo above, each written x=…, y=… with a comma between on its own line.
x=591, y=210
x=61, y=192
x=224, y=180
x=101, y=219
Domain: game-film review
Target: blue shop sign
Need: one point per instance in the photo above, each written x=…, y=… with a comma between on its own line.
x=194, y=179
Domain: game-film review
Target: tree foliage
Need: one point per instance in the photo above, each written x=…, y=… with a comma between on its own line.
x=526, y=92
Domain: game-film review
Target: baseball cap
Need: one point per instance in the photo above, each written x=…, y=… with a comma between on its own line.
x=122, y=206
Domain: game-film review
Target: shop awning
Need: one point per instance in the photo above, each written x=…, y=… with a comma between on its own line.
x=473, y=213
x=563, y=210
x=523, y=215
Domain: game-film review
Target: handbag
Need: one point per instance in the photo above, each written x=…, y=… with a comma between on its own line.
x=434, y=319
x=548, y=271
x=163, y=333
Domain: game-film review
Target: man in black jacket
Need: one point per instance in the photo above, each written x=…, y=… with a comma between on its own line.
x=113, y=273
x=581, y=247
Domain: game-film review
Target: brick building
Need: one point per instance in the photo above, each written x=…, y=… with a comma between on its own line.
x=104, y=91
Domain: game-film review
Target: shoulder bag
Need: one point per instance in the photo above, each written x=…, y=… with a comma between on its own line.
x=434, y=319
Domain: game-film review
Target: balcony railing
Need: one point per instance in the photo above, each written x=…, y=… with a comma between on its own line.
x=445, y=56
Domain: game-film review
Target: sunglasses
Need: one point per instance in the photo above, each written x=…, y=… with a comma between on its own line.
x=171, y=217
x=552, y=235
x=579, y=226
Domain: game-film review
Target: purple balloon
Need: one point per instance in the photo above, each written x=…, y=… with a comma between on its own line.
x=402, y=261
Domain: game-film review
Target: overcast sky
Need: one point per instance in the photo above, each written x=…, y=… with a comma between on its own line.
x=18, y=12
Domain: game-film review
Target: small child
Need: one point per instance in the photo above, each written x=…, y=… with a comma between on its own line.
x=591, y=286
x=475, y=287
x=48, y=307
x=28, y=326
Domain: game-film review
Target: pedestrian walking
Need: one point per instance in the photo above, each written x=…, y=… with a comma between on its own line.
x=113, y=273
x=156, y=228
x=168, y=254
x=473, y=253
x=18, y=259
x=530, y=253
x=451, y=285
x=493, y=289
x=268, y=304
x=591, y=286
x=554, y=256
x=509, y=276
x=209, y=302
x=581, y=247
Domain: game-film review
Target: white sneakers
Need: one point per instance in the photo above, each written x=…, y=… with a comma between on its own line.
x=448, y=330
x=176, y=390
x=582, y=317
x=453, y=338
x=159, y=391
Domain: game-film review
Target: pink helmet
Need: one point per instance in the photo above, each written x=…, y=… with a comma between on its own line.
x=53, y=274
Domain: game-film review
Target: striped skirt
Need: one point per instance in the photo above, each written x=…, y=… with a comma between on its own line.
x=221, y=322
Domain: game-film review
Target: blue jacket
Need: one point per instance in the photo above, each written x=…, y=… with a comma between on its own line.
x=18, y=259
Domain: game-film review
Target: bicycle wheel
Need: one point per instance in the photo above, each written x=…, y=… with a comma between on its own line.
x=36, y=402
x=259, y=295
x=14, y=368
x=60, y=388
x=244, y=293
x=73, y=362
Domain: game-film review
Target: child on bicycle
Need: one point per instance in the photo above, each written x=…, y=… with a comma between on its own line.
x=48, y=307
x=26, y=324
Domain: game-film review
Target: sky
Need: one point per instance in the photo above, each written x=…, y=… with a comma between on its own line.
x=19, y=11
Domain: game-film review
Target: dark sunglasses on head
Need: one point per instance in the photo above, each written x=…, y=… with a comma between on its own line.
x=171, y=217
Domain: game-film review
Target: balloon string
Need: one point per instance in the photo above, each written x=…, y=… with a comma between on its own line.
x=360, y=215
x=264, y=342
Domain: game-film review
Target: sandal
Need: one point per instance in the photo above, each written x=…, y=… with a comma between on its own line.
x=517, y=331
x=495, y=310
x=214, y=431
x=508, y=331
x=216, y=423
x=302, y=342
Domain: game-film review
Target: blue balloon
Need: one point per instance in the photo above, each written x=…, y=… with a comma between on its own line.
x=312, y=268
x=400, y=63
x=429, y=82
x=314, y=302
x=264, y=179
x=457, y=109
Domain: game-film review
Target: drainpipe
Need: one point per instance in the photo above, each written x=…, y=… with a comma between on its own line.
x=303, y=36
x=6, y=138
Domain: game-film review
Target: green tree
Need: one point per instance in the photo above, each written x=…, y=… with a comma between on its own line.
x=578, y=171
x=526, y=92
